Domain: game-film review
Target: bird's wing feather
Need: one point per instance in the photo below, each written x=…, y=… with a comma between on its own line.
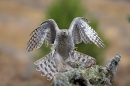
x=47, y=66
x=81, y=31
x=46, y=31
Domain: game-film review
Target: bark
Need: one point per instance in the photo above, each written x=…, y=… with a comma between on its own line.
x=93, y=76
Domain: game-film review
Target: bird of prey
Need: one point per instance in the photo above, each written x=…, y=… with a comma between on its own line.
x=63, y=45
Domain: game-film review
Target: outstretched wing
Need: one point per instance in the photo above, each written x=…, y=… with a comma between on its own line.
x=47, y=66
x=81, y=31
x=46, y=31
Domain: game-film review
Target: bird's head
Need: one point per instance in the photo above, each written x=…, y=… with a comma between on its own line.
x=64, y=32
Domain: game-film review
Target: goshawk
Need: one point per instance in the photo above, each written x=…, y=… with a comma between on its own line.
x=63, y=45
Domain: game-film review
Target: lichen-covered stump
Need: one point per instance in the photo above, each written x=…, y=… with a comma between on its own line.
x=93, y=76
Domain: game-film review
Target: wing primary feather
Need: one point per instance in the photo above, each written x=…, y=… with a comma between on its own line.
x=86, y=33
x=83, y=37
x=46, y=31
x=94, y=37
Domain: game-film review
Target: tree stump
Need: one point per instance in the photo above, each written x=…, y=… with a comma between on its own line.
x=93, y=76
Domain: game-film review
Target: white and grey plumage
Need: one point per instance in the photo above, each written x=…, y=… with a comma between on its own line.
x=63, y=44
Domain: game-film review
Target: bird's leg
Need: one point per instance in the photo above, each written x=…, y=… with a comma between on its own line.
x=65, y=67
x=70, y=57
x=62, y=66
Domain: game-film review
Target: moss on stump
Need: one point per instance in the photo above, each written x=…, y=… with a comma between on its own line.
x=93, y=76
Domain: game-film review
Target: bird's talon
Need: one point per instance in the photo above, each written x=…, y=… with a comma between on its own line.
x=75, y=49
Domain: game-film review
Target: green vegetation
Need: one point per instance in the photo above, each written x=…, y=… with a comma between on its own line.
x=63, y=12
x=128, y=18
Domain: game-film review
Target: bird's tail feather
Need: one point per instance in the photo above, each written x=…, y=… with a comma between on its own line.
x=47, y=66
x=83, y=58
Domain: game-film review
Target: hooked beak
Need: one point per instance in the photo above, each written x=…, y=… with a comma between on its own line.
x=66, y=32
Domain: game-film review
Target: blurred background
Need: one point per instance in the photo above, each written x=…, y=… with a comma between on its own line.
x=18, y=18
